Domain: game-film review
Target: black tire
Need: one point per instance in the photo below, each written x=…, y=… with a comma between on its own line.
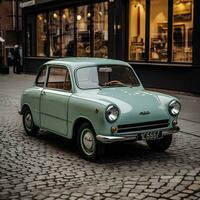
x=160, y=145
x=29, y=126
x=87, y=143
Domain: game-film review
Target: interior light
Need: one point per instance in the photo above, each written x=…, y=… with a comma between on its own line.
x=136, y=3
x=40, y=17
x=78, y=17
x=55, y=15
x=89, y=14
x=64, y=16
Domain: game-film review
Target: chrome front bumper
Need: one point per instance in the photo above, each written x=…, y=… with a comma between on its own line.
x=121, y=138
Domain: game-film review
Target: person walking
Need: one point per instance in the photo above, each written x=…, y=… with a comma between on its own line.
x=16, y=60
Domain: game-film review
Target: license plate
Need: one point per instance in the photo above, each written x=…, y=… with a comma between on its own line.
x=151, y=135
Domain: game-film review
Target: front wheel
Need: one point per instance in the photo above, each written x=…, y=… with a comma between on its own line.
x=160, y=145
x=89, y=147
x=29, y=126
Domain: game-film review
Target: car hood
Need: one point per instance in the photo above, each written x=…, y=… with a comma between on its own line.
x=140, y=104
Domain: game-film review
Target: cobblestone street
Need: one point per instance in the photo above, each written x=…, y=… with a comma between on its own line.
x=50, y=167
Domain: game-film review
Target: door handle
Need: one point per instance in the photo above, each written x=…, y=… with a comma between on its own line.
x=43, y=93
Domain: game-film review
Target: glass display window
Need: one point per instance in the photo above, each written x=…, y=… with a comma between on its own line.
x=83, y=26
x=158, y=40
x=182, y=30
x=42, y=42
x=137, y=21
x=68, y=32
x=54, y=34
x=100, y=25
x=83, y=31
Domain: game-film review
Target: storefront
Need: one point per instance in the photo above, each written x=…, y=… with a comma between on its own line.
x=160, y=39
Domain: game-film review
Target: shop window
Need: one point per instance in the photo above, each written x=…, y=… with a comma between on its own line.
x=83, y=26
x=68, y=32
x=137, y=17
x=182, y=30
x=158, y=30
x=42, y=44
x=54, y=34
x=100, y=20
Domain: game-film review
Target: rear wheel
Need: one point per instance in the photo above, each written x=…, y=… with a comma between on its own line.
x=29, y=126
x=89, y=147
x=160, y=145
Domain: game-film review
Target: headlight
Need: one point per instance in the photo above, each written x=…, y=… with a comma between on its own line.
x=112, y=113
x=174, y=107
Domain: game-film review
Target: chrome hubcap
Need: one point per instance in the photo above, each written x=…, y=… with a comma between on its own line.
x=28, y=121
x=88, y=142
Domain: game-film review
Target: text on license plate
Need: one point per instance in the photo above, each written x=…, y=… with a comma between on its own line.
x=151, y=135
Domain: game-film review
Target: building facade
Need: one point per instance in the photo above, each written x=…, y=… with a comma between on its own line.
x=160, y=39
x=10, y=26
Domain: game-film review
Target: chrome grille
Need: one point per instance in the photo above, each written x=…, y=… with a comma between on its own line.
x=143, y=126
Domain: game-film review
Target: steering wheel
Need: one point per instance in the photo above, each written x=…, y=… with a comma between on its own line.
x=114, y=82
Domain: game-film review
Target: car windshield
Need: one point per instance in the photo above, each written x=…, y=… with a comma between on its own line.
x=106, y=76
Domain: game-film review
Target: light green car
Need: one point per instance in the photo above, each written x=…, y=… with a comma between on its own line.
x=97, y=101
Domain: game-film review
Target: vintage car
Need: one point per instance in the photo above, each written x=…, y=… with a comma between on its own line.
x=97, y=101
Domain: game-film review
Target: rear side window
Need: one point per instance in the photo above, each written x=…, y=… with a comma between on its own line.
x=59, y=78
x=41, y=77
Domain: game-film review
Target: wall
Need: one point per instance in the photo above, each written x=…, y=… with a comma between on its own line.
x=178, y=78
x=5, y=15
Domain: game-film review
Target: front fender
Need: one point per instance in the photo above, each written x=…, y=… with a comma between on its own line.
x=91, y=111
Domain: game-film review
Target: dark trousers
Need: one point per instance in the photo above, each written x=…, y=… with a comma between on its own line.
x=16, y=68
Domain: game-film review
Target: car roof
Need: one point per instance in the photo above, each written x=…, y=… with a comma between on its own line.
x=76, y=62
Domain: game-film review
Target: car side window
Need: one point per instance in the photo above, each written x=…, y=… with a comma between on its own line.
x=59, y=78
x=41, y=77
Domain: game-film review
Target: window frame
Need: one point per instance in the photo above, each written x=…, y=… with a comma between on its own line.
x=38, y=75
x=48, y=74
x=102, y=65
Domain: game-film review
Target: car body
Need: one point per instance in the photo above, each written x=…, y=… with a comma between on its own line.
x=68, y=99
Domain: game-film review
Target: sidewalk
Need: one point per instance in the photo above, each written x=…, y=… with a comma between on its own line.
x=189, y=119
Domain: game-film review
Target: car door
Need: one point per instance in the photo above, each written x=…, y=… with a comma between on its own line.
x=54, y=100
x=36, y=94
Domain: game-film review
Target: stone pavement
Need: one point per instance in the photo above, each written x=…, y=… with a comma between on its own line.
x=49, y=167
